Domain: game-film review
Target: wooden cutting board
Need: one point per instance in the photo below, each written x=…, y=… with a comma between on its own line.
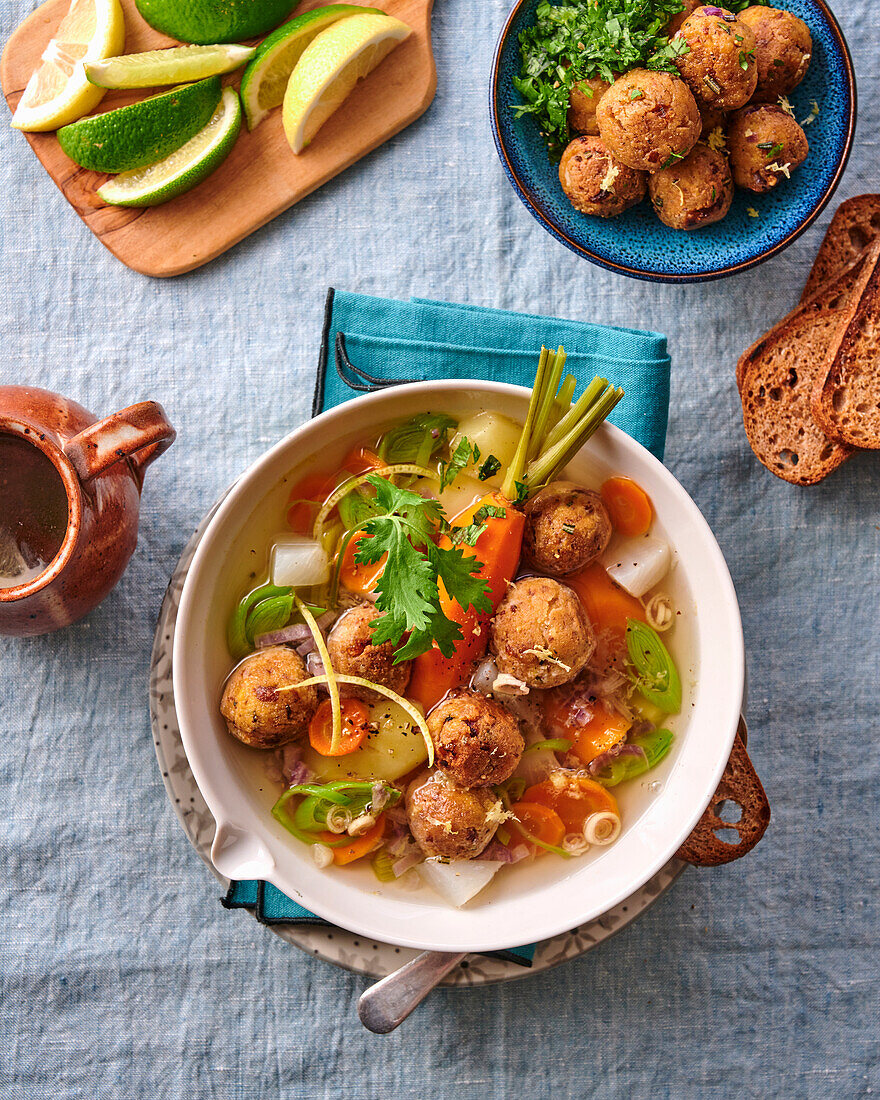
x=260, y=178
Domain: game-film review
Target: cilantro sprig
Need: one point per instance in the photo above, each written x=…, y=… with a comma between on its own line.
x=408, y=591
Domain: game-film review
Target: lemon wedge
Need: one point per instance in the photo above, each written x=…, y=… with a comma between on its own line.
x=59, y=91
x=330, y=67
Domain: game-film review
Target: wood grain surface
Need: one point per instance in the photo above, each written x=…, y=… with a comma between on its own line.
x=261, y=177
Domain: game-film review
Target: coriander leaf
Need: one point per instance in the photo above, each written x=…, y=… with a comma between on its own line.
x=489, y=468
x=422, y=513
x=458, y=574
x=522, y=491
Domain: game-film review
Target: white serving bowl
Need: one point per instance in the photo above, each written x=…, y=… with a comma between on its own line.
x=528, y=902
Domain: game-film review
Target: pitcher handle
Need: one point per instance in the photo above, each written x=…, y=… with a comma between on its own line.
x=140, y=433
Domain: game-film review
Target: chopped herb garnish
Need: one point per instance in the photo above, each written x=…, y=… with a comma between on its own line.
x=772, y=149
x=489, y=468
x=671, y=159
x=463, y=455
x=522, y=491
x=468, y=535
x=578, y=40
x=636, y=93
x=743, y=60
x=712, y=84
x=569, y=528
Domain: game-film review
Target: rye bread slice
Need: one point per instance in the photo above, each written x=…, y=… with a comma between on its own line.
x=776, y=395
x=839, y=293
x=846, y=395
x=856, y=223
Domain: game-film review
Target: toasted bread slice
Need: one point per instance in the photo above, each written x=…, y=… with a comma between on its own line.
x=777, y=387
x=856, y=223
x=839, y=293
x=846, y=396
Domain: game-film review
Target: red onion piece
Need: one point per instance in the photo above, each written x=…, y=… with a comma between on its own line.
x=411, y=859
x=500, y=853
x=306, y=647
x=291, y=635
x=314, y=665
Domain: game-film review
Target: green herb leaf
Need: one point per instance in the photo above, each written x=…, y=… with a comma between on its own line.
x=489, y=468
x=463, y=455
x=636, y=93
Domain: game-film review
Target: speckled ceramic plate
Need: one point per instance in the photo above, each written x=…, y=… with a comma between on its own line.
x=637, y=243
x=335, y=945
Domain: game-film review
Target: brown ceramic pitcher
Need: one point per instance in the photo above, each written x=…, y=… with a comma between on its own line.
x=70, y=488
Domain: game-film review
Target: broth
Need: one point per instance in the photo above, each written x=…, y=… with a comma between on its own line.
x=33, y=511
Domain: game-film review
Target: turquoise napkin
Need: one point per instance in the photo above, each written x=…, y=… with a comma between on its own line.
x=372, y=343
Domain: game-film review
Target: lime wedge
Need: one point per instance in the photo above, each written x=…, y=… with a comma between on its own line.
x=142, y=133
x=58, y=91
x=188, y=166
x=179, y=65
x=266, y=77
x=206, y=21
x=330, y=67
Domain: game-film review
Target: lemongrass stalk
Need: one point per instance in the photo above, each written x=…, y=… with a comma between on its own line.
x=517, y=465
x=549, y=464
x=547, y=401
x=576, y=412
x=562, y=403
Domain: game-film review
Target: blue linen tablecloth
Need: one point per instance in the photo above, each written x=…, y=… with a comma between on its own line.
x=120, y=975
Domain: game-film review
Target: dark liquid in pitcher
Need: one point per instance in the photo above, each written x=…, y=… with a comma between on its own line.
x=33, y=511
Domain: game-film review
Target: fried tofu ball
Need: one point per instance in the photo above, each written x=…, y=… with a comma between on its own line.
x=448, y=821
x=584, y=99
x=566, y=528
x=712, y=117
x=676, y=21
x=541, y=634
x=696, y=192
x=257, y=705
x=646, y=117
x=595, y=182
x=783, y=47
x=766, y=144
x=352, y=653
x=477, y=740
x=720, y=66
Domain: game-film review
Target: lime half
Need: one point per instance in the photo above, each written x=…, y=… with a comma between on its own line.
x=330, y=67
x=58, y=92
x=186, y=167
x=206, y=21
x=179, y=65
x=265, y=79
x=142, y=133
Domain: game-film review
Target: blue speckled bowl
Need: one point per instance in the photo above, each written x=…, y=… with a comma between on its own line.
x=637, y=243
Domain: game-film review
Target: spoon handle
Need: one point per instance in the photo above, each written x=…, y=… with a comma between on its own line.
x=387, y=1004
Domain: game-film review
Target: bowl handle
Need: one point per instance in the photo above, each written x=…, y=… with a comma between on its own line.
x=237, y=854
x=141, y=433
x=741, y=787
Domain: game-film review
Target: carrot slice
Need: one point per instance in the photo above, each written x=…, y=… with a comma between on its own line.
x=538, y=819
x=360, y=845
x=359, y=578
x=573, y=797
x=590, y=726
x=608, y=605
x=355, y=727
x=628, y=505
x=305, y=498
x=360, y=460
